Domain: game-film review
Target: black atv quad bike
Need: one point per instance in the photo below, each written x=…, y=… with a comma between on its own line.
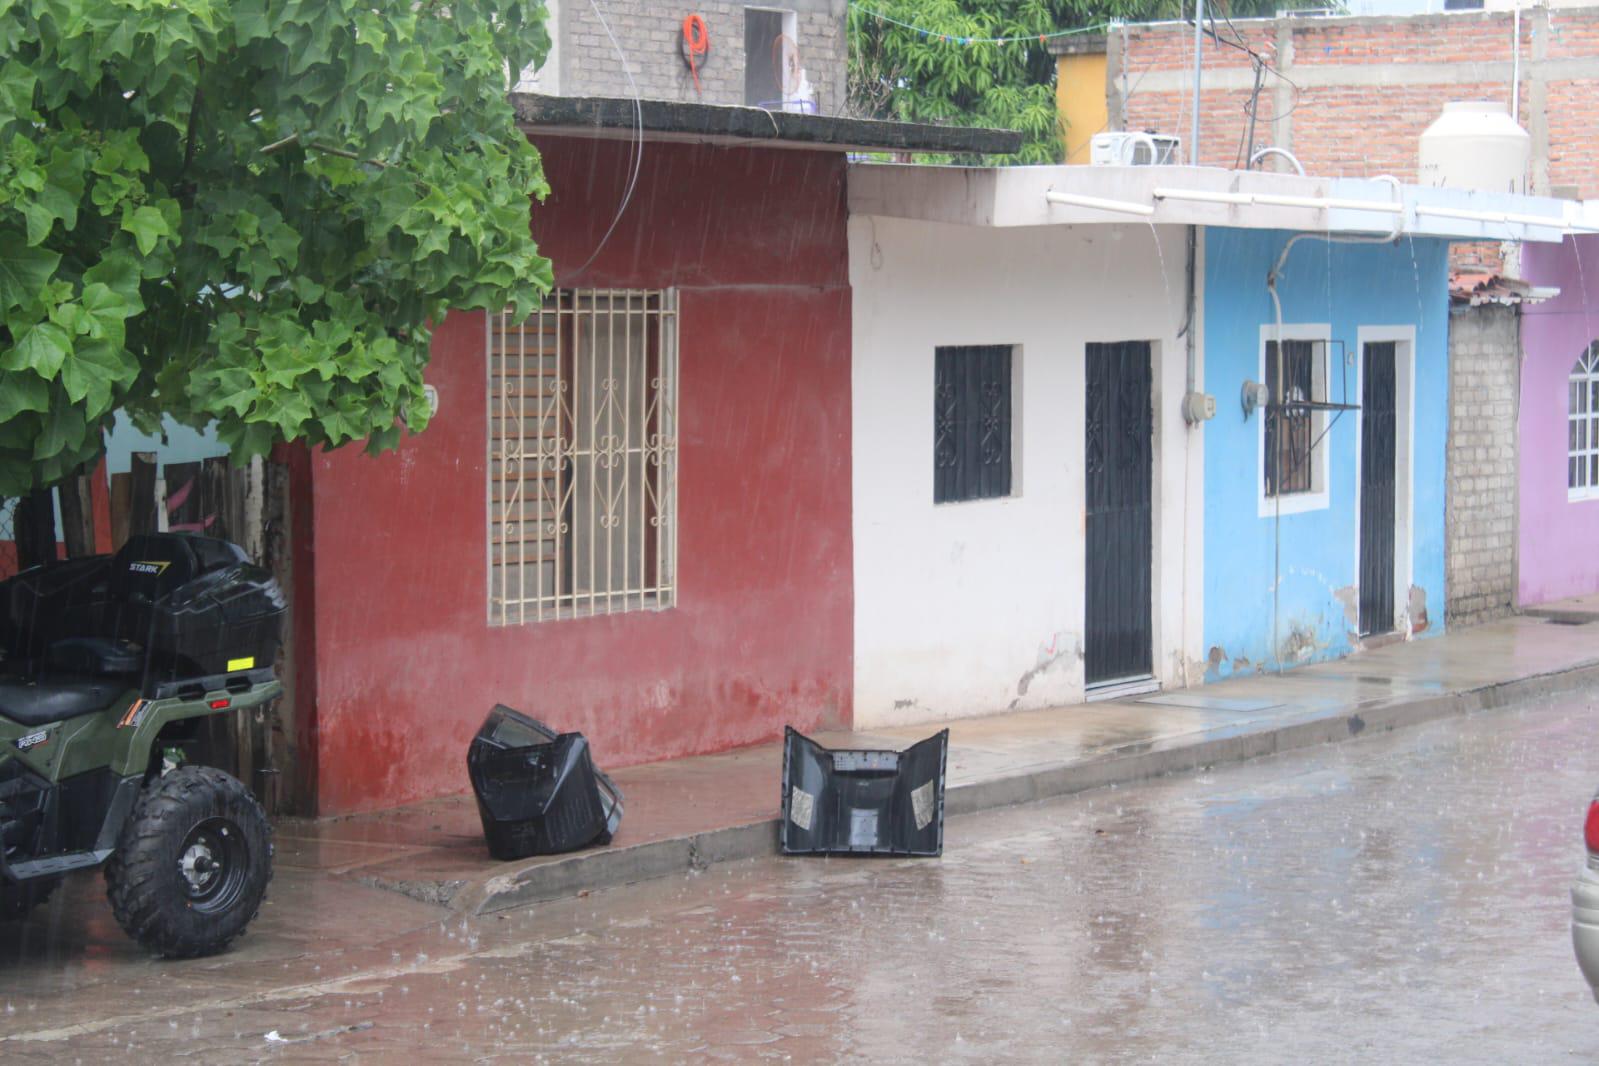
x=109, y=665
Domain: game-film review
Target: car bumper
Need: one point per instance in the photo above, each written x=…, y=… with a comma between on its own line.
x=1585, y=926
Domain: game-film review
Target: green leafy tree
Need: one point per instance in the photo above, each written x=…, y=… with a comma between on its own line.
x=250, y=213
x=935, y=61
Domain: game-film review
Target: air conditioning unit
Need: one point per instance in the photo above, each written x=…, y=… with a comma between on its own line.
x=1134, y=149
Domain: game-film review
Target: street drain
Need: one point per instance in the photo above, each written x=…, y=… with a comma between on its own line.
x=1568, y=620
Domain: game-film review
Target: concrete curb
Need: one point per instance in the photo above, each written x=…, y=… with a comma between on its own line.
x=611, y=867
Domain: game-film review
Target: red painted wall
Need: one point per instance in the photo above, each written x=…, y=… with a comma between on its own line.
x=406, y=664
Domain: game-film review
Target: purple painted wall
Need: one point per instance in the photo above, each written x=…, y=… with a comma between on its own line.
x=1558, y=535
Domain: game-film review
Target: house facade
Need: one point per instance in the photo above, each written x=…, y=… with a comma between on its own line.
x=1007, y=553
x=631, y=514
x=1120, y=429
x=1351, y=95
x=786, y=56
x=1356, y=92
x=1324, y=525
x=1559, y=426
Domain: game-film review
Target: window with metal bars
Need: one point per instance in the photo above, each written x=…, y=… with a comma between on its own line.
x=1291, y=432
x=971, y=422
x=582, y=402
x=1582, y=427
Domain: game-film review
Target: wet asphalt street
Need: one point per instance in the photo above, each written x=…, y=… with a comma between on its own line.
x=1400, y=898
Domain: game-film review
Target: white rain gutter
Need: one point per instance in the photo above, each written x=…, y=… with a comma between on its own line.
x=1247, y=199
x=1071, y=199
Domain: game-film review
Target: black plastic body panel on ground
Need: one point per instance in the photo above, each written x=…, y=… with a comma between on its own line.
x=861, y=802
x=538, y=791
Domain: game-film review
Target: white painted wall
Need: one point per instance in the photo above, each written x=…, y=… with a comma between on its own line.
x=978, y=606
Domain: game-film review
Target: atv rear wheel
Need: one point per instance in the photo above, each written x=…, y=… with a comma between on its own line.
x=192, y=864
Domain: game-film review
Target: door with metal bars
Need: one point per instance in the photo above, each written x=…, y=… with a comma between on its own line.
x=1378, y=428
x=1119, y=466
x=583, y=456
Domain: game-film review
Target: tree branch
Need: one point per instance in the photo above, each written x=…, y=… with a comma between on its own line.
x=317, y=146
x=194, y=117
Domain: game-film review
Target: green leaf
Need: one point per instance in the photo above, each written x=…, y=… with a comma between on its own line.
x=22, y=391
x=17, y=84
x=94, y=372
x=23, y=271
x=147, y=227
x=42, y=350
x=39, y=221
x=118, y=272
x=64, y=428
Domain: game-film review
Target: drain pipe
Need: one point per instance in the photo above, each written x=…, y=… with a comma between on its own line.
x=1191, y=378
x=1515, y=66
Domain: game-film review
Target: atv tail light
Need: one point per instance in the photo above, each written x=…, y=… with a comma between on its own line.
x=217, y=705
x=1590, y=828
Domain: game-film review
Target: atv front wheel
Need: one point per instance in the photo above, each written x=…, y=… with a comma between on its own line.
x=192, y=864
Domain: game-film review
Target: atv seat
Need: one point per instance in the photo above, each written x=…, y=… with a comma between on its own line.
x=51, y=701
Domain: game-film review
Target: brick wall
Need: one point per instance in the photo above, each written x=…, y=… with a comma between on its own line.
x=1363, y=89
x=1480, y=522
x=650, y=35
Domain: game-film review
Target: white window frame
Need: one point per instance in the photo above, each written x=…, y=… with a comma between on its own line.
x=790, y=23
x=582, y=470
x=1583, y=381
x=1318, y=498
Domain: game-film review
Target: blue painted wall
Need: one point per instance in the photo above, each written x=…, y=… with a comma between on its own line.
x=182, y=445
x=1347, y=286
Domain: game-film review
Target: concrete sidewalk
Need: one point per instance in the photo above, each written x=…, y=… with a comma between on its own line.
x=687, y=813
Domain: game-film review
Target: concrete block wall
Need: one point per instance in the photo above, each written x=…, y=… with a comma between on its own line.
x=1363, y=89
x=651, y=35
x=1480, y=522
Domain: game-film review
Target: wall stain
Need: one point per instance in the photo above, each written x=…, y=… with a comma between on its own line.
x=1417, y=608
x=1049, y=656
x=1300, y=645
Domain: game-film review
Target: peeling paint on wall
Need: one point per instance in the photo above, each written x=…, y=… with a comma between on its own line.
x=1349, y=596
x=1417, y=609
x=1050, y=655
x=1300, y=645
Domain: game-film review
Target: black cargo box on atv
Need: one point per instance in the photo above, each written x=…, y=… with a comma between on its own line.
x=182, y=612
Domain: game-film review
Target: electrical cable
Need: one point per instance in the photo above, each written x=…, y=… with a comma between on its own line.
x=696, y=46
x=635, y=151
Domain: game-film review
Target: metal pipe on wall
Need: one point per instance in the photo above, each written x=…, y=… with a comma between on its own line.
x=1199, y=37
x=1515, y=66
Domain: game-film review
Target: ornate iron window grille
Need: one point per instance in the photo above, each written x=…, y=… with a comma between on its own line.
x=971, y=422
x=582, y=456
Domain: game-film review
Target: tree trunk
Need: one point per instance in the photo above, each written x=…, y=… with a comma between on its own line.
x=77, y=516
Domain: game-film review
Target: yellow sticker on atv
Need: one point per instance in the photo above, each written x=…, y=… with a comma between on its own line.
x=247, y=663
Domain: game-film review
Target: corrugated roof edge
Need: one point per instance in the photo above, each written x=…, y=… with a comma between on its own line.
x=676, y=120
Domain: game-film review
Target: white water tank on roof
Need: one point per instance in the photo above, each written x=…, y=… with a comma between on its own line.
x=1475, y=145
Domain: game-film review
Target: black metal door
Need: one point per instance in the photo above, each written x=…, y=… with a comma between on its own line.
x=1117, y=642
x=1377, y=429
